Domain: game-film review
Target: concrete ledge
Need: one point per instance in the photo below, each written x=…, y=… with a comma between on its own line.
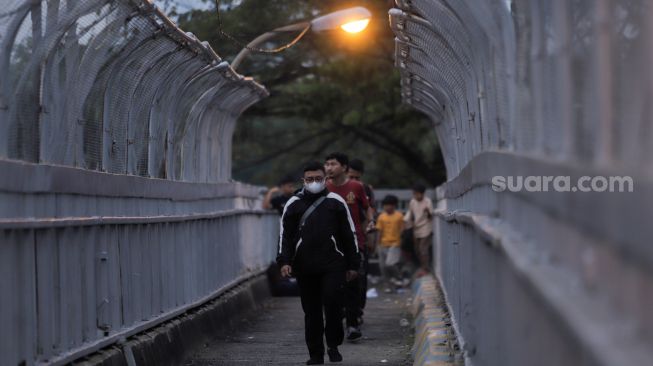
x=435, y=340
x=24, y=177
x=171, y=342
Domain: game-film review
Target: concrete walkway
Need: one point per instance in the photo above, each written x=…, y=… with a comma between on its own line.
x=275, y=336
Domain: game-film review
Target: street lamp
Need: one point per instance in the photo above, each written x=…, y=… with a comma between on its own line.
x=352, y=20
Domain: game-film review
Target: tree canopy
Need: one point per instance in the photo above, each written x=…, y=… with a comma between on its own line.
x=330, y=92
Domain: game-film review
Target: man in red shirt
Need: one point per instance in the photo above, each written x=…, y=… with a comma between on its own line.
x=353, y=194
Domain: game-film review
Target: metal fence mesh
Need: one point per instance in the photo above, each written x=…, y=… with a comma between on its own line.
x=111, y=86
x=558, y=78
x=538, y=89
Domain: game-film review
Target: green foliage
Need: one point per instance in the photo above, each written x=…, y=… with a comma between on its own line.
x=330, y=92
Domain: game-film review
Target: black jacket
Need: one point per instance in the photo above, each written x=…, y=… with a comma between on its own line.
x=326, y=243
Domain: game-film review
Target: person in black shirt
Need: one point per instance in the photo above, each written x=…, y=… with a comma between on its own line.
x=317, y=244
x=284, y=191
x=355, y=172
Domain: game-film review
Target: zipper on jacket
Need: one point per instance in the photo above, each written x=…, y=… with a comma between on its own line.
x=335, y=246
x=296, y=248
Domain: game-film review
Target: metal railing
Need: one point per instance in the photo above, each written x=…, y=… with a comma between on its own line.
x=84, y=266
x=115, y=86
x=542, y=89
x=117, y=211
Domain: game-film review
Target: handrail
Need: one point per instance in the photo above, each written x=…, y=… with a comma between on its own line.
x=149, y=324
x=59, y=222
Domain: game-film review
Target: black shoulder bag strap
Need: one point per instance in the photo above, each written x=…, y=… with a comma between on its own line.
x=310, y=210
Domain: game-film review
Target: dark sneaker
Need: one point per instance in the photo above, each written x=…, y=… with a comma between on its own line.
x=315, y=361
x=334, y=355
x=354, y=334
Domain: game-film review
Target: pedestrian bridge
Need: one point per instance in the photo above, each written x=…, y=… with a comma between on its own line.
x=118, y=215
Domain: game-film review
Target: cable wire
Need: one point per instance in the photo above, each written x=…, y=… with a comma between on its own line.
x=256, y=49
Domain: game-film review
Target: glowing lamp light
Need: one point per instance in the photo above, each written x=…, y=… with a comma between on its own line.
x=355, y=26
x=352, y=20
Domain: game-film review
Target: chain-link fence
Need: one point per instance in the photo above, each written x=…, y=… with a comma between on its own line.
x=115, y=86
x=529, y=88
x=88, y=259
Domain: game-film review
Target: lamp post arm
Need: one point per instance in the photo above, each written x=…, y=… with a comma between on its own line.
x=303, y=26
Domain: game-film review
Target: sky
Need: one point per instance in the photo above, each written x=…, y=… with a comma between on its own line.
x=183, y=5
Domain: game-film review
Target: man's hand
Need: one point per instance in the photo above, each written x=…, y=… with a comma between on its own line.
x=286, y=271
x=350, y=275
x=268, y=197
x=371, y=226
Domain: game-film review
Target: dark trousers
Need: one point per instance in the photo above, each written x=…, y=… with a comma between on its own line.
x=423, y=250
x=356, y=294
x=322, y=293
x=365, y=265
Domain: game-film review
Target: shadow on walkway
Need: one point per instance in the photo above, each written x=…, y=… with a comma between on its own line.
x=275, y=336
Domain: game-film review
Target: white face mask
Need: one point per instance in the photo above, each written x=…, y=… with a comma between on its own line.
x=315, y=187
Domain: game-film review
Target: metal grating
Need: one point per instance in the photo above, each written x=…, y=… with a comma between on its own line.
x=92, y=84
x=540, y=89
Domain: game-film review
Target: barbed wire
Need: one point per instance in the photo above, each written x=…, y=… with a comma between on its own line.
x=256, y=49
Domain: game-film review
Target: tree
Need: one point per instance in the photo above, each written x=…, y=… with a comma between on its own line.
x=330, y=92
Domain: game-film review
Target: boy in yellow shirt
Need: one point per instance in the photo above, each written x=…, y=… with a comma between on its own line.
x=390, y=224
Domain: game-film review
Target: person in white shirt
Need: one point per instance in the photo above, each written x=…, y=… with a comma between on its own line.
x=419, y=217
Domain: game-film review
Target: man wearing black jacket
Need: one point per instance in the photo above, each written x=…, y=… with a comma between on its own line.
x=318, y=245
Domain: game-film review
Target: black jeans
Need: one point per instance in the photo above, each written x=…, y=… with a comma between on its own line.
x=318, y=293
x=356, y=294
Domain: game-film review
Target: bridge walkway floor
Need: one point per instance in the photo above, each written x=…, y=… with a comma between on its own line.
x=274, y=335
